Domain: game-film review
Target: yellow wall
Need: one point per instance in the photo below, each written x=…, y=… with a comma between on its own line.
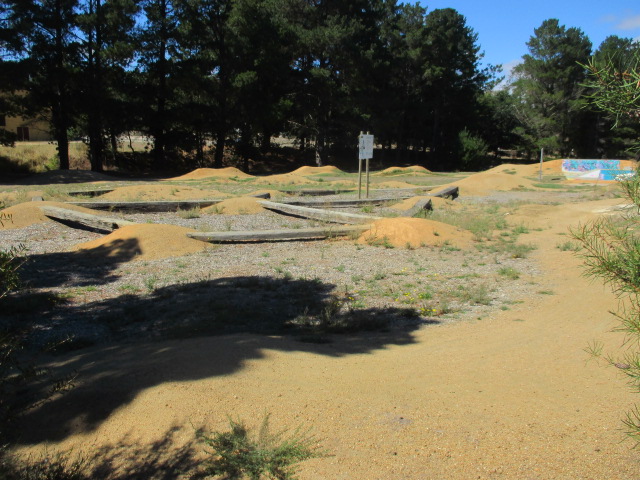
x=38, y=129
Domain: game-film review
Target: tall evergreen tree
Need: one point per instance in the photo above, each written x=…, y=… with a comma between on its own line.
x=453, y=79
x=45, y=41
x=107, y=49
x=402, y=97
x=264, y=42
x=155, y=72
x=335, y=40
x=612, y=137
x=548, y=87
x=207, y=50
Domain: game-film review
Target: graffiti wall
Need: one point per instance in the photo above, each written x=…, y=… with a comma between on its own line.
x=604, y=170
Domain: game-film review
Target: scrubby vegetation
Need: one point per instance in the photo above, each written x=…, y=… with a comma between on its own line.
x=238, y=453
x=611, y=245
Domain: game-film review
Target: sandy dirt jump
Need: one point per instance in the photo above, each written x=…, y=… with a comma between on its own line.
x=143, y=242
x=510, y=396
x=414, y=233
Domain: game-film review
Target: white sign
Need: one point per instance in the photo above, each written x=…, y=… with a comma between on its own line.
x=365, y=146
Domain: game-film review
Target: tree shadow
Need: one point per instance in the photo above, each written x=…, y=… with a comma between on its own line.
x=168, y=458
x=161, y=460
x=79, y=268
x=203, y=329
x=61, y=177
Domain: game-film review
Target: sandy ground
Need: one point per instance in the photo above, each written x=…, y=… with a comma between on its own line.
x=512, y=396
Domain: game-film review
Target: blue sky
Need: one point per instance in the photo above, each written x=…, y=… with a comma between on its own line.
x=505, y=26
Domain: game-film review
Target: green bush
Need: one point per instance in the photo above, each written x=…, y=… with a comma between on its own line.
x=611, y=251
x=472, y=150
x=10, y=263
x=237, y=454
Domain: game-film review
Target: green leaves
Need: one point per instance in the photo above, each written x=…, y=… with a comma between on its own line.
x=549, y=81
x=238, y=454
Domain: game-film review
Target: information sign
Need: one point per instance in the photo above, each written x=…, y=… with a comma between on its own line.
x=365, y=146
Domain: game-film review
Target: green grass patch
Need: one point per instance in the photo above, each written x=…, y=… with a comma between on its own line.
x=509, y=272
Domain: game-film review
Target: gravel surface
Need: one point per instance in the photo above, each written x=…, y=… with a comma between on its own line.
x=265, y=287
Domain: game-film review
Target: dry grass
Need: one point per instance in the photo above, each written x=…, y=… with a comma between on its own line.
x=36, y=157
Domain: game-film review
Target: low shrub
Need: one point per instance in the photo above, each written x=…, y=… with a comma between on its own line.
x=238, y=453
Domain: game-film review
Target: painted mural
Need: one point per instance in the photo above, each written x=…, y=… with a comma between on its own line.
x=585, y=169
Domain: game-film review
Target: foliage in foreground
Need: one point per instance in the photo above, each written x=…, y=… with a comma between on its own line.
x=10, y=263
x=611, y=251
x=237, y=454
x=611, y=245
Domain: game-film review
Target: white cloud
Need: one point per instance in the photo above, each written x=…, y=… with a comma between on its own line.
x=507, y=72
x=629, y=23
x=508, y=67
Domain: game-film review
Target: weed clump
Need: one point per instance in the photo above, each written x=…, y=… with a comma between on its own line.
x=238, y=454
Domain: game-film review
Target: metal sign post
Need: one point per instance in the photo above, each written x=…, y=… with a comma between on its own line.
x=365, y=152
x=541, y=160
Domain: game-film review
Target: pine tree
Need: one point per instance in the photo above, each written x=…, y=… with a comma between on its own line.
x=45, y=42
x=549, y=87
x=107, y=48
x=155, y=75
x=454, y=82
x=619, y=55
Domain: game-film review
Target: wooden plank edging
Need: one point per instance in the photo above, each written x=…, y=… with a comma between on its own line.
x=318, y=214
x=94, y=222
x=156, y=206
x=278, y=235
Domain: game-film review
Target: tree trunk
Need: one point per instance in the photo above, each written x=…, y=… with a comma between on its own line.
x=265, y=144
x=199, y=149
x=63, y=148
x=159, y=121
x=221, y=136
x=60, y=115
x=114, y=145
x=96, y=141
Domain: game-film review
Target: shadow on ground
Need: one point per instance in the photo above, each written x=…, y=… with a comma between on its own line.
x=62, y=269
x=168, y=458
x=228, y=321
x=77, y=269
x=161, y=460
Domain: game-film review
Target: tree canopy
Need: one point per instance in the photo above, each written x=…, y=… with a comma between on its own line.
x=202, y=79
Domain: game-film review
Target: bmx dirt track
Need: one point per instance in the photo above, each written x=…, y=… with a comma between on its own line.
x=511, y=396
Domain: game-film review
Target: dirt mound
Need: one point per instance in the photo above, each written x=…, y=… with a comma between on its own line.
x=316, y=170
x=414, y=232
x=411, y=169
x=66, y=176
x=524, y=170
x=161, y=192
x=143, y=242
x=28, y=213
x=236, y=206
x=485, y=183
x=199, y=173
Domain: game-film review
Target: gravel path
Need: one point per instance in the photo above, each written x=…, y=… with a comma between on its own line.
x=172, y=296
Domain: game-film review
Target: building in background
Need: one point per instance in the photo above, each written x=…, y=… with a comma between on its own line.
x=26, y=129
